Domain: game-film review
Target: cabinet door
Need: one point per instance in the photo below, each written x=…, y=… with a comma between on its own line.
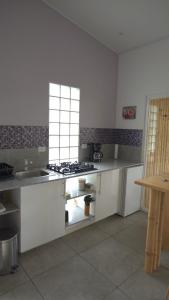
x=107, y=198
x=132, y=197
x=42, y=214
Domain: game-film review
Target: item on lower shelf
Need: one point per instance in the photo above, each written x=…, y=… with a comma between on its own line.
x=66, y=216
x=87, y=210
x=87, y=199
x=82, y=182
x=2, y=208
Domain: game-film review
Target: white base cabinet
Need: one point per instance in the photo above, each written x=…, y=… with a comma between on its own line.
x=131, y=193
x=42, y=208
x=108, y=194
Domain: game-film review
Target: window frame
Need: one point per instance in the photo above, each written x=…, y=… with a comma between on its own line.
x=59, y=88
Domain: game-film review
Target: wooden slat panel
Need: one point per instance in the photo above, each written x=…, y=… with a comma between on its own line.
x=165, y=236
x=157, y=144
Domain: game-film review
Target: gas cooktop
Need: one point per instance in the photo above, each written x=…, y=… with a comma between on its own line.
x=71, y=168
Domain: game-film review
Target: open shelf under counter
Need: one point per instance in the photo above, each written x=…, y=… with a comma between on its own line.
x=73, y=186
x=79, y=218
x=10, y=208
x=76, y=213
x=76, y=194
x=70, y=226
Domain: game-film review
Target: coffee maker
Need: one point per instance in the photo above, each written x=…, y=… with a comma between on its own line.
x=95, y=152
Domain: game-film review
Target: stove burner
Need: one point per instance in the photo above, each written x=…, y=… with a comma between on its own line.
x=71, y=168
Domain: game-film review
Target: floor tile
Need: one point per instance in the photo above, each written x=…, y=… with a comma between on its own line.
x=121, y=270
x=117, y=295
x=43, y=258
x=73, y=280
x=134, y=237
x=11, y=281
x=114, y=260
x=148, y=287
x=24, y=292
x=85, y=238
x=113, y=224
x=139, y=218
x=107, y=254
x=106, y=251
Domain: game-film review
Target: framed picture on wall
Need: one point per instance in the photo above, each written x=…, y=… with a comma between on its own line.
x=129, y=112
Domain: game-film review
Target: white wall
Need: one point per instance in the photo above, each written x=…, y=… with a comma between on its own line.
x=142, y=72
x=38, y=46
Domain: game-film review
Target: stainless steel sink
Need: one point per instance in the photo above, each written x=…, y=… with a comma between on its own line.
x=31, y=173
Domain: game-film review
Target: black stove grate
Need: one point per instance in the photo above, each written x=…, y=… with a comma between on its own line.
x=71, y=168
x=5, y=170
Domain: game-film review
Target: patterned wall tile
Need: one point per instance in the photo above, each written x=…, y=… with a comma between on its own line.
x=35, y=136
x=20, y=137
x=133, y=137
x=111, y=136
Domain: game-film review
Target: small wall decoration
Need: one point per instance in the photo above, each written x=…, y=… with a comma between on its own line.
x=129, y=112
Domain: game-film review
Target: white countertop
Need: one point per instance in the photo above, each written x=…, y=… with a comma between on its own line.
x=10, y=184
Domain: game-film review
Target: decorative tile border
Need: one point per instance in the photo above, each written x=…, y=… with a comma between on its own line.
x=111, y=136
x=96, y=135
x=20, y=137
x=132, y=137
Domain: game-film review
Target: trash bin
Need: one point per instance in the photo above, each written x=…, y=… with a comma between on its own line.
x=8, y=251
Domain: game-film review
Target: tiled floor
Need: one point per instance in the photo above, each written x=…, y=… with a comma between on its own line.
x=102, y=261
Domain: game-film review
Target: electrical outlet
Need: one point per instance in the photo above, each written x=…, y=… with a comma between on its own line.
x=84, y=146
x=42, y=149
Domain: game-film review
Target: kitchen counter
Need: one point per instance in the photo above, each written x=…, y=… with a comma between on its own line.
x=13, y=183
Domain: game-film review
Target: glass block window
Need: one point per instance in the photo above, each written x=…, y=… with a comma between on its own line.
x=64, y=109
x=152, y=128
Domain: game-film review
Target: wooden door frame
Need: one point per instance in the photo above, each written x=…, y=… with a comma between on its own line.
x=148, y=99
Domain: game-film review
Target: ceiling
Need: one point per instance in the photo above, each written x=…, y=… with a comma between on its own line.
x=121, y=25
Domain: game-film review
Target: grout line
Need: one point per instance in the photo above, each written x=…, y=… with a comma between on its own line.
x=79, y=254
x=97, y=243
x=30, y=279
x=108, y=237
x=124, y=294
x=108, y=234
x=37, y=289
x=133, y=249
x=100, y=273
x=138, y=268
x=17, y=285
x=50, y=268
x=112, y=234
x=118, y=260
x=67, y=244
x=76, y=253
x=117, y=289
x=94, y=245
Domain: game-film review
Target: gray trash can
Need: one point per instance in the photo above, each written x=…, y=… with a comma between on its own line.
x=8, y=251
